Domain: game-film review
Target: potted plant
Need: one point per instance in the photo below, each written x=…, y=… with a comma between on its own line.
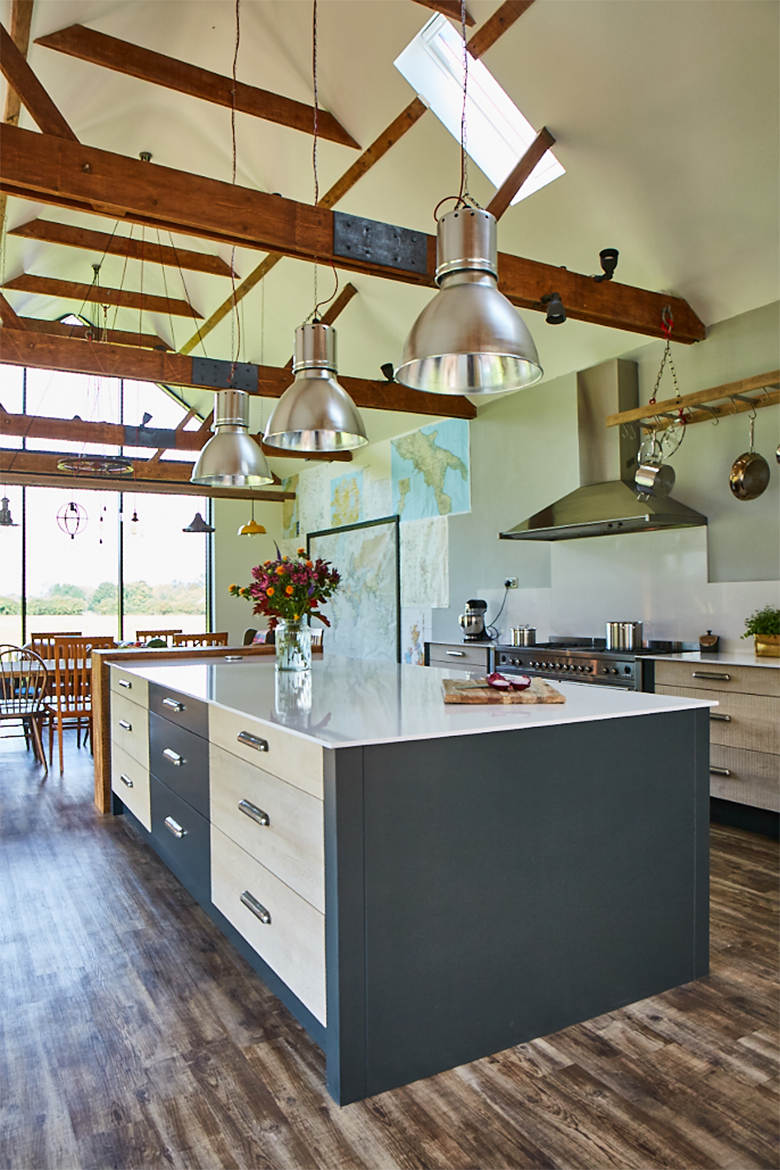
x=764, y=627
x=289, y=593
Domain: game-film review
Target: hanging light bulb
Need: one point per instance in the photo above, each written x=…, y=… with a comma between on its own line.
x=6, y=520
x=470, y=339
x=231, y=458
x=252, y=528
x=315, y=413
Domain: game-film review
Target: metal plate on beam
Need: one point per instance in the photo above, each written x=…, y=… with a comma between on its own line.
x=150, y=437
x=379, y=243
x=221, y=375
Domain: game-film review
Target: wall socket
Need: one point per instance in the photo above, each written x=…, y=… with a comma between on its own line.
x=510, y=583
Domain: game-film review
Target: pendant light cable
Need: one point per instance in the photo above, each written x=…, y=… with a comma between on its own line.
x=318, y=304
x=235, y=321
x=463, y=193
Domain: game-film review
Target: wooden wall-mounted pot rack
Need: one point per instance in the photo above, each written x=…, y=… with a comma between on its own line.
x=705, y=405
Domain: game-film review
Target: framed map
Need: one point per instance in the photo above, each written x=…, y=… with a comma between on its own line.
x=365, y=610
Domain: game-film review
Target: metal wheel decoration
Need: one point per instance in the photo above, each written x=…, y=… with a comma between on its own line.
x=109, y=466
x=72, y=519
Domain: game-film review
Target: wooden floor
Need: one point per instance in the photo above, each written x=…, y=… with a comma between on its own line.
x=134, y=1036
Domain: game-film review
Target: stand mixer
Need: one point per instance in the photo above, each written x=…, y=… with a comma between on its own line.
x=472, y=621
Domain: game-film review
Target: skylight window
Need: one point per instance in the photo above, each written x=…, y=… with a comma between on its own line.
x=497, y=133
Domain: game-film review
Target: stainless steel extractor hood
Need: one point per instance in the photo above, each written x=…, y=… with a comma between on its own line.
x=606, y=501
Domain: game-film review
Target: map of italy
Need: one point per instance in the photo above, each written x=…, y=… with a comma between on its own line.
x=430, y=470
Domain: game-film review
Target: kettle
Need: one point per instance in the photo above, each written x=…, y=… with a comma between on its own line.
x=472, y=621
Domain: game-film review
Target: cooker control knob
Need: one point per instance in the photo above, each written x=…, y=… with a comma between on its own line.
x=589, y=670
x=605, y=670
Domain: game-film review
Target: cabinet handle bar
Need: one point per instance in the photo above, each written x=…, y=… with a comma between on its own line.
x=720, y=718
x=257, y=908
x=173, y=756
x=456, y=653
x=173, y=704
x=174, y=827
x=253, y=741
x=124, y=683
x=720, y=771
x=126, y=780
x=257, y=814
x=711, y=674
x=125, y=725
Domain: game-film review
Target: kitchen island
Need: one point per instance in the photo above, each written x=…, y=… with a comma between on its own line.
x=424, y=885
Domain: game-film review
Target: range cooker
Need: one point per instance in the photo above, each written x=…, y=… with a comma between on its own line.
x=583, y=660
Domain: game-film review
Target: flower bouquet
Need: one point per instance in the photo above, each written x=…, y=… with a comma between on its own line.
x=289, y=593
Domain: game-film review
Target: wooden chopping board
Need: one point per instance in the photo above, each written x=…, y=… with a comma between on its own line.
x=477, y=691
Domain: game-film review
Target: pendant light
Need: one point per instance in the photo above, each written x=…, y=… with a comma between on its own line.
x=252, y=528
x=6, y=519
x=470, y=339
x=315, y=413
x=231, y=458
x=198, y=524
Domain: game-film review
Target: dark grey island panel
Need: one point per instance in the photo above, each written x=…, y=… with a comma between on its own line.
x=494, y=889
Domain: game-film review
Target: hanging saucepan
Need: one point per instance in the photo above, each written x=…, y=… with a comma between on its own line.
x=750, y=472
x=653, y=478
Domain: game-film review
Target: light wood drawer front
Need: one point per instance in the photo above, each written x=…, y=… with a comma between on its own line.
x=297, y=760
x=458, y=657
x=291, y=843
x=130, y=781
x=130, y=727
x=742, y=721
x=752, y=680
x=129, y=685
x=754, y=777
x=293, y=942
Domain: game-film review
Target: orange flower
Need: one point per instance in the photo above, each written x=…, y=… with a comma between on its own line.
x=289, y=590
x=270, y=592
x=296, y=617
x=301, y=551
x=266, y=564
x=310, y=564
x=280, y=572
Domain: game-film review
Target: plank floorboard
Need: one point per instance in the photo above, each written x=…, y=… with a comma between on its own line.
x=132, y=1035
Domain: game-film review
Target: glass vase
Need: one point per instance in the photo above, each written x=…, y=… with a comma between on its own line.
x=293, y=645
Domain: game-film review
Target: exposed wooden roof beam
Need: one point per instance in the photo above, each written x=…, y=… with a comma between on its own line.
x=115, y=336
x=33, y=96
x=21, y=19
x=122, y=361
x=8, y=315
x=514, y=181
x=450, y=8
x=39, y=469
x=101, y=243
x=159, y=69
x=496, y=25
x=116, y=434
x=47, y=286
x=38, y=167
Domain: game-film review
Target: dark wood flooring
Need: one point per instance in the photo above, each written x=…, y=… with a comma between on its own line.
x=134, y=1036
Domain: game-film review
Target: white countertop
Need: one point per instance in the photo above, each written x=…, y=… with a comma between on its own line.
x=352, y=702
x=724, y=658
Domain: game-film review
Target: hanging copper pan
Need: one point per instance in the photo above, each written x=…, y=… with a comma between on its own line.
x=749, y=473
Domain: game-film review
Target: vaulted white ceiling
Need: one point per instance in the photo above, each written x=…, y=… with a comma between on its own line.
x=665, y=115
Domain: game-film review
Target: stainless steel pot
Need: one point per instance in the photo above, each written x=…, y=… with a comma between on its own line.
x=749, y=473
x=654, y=479
x=523, y=635
x=624, y=635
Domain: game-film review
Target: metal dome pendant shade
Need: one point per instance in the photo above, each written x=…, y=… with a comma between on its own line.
x=315, y=413
x=231, y=458
x=470, y=339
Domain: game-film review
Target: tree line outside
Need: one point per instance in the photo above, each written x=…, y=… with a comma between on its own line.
x=176, y=597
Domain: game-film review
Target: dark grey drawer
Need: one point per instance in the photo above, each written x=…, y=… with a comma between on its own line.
x=179, y=709
x=181, y=838
x=180, y=759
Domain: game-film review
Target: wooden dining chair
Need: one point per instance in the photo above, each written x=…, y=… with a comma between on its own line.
x=41, y=643
x=70, y=703
x=23, y=686
x=145, y=635
x=220, y=639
